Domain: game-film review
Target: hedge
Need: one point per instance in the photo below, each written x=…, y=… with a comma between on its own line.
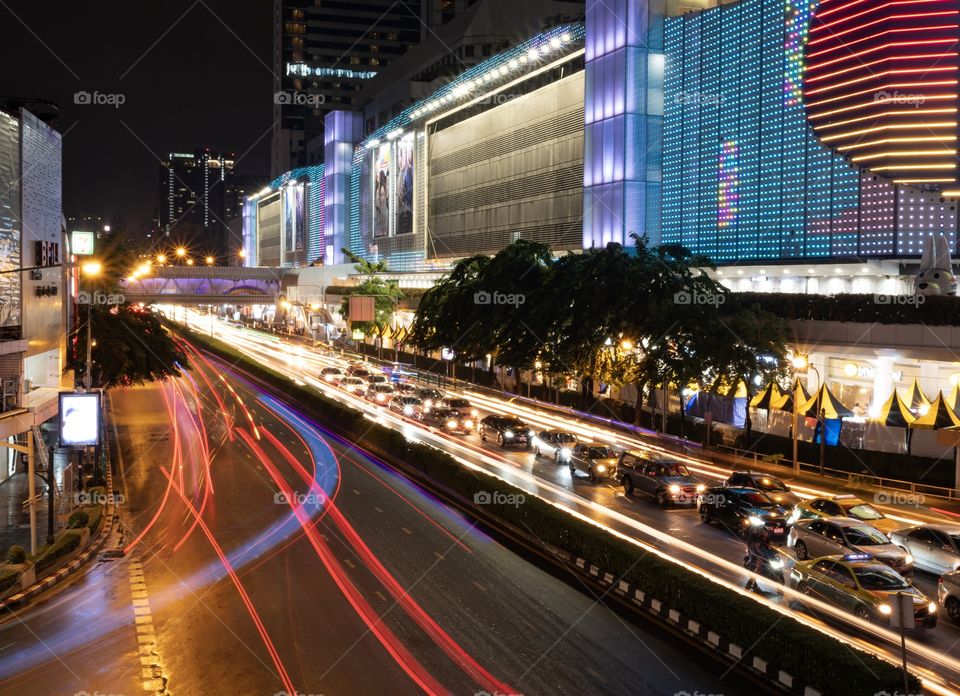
x=938, y=310
x=95, y=515
x=794, y=647
x=77, y=519
x=16, y=554
x=63, y=546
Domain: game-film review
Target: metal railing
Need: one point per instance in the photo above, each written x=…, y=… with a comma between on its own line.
x=851, y=479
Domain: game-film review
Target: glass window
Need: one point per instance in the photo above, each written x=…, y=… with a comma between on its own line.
x=864, y=536
x=922, y=534
x=833, y=533
x=880, y=578
x=816, y=526
x=823, y=566
x=842, y=575
x=863, y=511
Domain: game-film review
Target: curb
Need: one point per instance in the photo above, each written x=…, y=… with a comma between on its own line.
x=21, y=598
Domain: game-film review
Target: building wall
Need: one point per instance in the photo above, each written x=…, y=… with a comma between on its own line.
x=744, y=177
x=512, y=172
x=10, y=225
x=268, y=232
x=43, y=293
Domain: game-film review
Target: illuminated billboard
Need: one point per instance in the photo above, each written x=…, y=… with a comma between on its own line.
x=79, y=419
x=381, y=191
x=294, y=233
x=880, y=86
x=404, y=185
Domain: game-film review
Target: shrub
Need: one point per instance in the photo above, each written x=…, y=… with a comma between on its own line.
x=77, y=519
x=95, y=519
x=16, y=554
x=63, y=546
x=8, y=578
x=790, y=645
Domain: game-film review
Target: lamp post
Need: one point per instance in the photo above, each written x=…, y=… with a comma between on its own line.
x=91, y=269
x=799, y=363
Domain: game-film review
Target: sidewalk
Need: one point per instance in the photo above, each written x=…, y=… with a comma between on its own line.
x=15, y=523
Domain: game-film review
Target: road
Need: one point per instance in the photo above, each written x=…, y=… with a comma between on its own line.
x=263, y=556
x=677, y=533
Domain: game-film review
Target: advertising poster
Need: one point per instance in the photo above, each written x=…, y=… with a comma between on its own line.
x=404, y=206
x=79, y=419
x=293, y=218
x=381, y=192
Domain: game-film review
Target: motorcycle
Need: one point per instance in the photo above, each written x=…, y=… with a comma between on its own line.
x=770, y=565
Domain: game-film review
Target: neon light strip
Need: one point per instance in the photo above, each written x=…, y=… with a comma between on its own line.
x=910, y=30
x=907, y=167
x=862, y=66
x=923, y=181
x=903, y=153
x=821, y=15
x=856, y=146
x=904, y=71
x=927, y=97
x=880, y=88
x=883, y=47
x=837, y=35
x=875, y=117
x=895, y=126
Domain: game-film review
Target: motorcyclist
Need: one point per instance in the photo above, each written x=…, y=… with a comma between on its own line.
x=761, y=554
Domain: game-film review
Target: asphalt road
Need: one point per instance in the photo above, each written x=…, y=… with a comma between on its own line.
x=675, y=531
x=264, y=556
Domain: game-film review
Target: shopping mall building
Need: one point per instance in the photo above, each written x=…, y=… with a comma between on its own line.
x=800, y=151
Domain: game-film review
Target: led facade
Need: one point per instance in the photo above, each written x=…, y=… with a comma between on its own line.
x=881, y=86
x=745, y=177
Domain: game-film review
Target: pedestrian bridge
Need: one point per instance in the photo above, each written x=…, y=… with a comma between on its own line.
x=199, y=285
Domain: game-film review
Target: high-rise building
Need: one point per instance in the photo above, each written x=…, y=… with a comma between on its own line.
x=192, y=197
x=324, y=53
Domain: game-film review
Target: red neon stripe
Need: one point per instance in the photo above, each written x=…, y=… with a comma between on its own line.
x=891, y=31
x=838, y=34
x=882, y=47
x=865, y=66
x=865, y=78
x=847, y=6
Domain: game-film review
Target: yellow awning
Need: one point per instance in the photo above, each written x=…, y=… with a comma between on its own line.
x=895, y=412
x=824, y=399
x=770, y=395
x=915, y=397
x=939, y=416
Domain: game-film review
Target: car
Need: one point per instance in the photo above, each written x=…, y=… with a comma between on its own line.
x=778, y=491
x=948, y=594
x=461, y=406
x=935, y=547
x=507, y=430
x=358, y=370
x=829, y=536
x=379, y=393
x=556, y=443
x=406, y=388
x=447, y=419
x=844, y=506
x=409, y=406
x=429, y=396
x=596, y=461
x=354, y=385
x=331, y=374
x=739, y=509
x=377, y=378
x=862, y=585
x=667, y=481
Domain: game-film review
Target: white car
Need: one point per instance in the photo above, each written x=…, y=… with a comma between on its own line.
x=354, y=385
x=333, y=375
x=935, y=547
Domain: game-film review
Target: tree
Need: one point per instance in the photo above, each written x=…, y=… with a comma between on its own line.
x=130, y=346
x=386, y=294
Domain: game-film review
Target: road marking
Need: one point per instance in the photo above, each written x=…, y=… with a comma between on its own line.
x=380, y=595
x=479, y=586
x=377, y=509
x=356, y=492
x=405, y=530
x=349, y=563
x=439, y=555
x=150, y=671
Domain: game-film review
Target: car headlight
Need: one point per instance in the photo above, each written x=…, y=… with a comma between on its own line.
x=794, y=516
x=565, y=452
x=428, y=403
x=674, y=488
x=932, y=607
x=776, y=563
x=329, y=378
x=452, y=424
x=601, y=468
x=755, y=521
x=408, y=410
x=380, y=397
x=468, y=424
x=908, y=558
x=701, y=488
x=885, y=609
x=508, y=433
x=531, y=433
x=475, y=413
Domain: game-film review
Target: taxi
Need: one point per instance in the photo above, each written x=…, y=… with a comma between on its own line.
x=844, y=506
x=863, y=586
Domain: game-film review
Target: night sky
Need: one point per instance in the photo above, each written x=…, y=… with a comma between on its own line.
x=192, y=74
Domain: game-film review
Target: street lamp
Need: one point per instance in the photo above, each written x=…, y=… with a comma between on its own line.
x=210, y=260
x=801, y=362
x=90, y=269
x=189, y=262
x=161, y=259
x=181, y=252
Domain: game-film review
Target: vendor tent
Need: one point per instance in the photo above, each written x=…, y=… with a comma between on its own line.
x=895, y=413
x=825, y=400
x=939, y=416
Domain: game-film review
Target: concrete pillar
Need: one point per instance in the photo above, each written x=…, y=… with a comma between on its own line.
x=623, y=114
